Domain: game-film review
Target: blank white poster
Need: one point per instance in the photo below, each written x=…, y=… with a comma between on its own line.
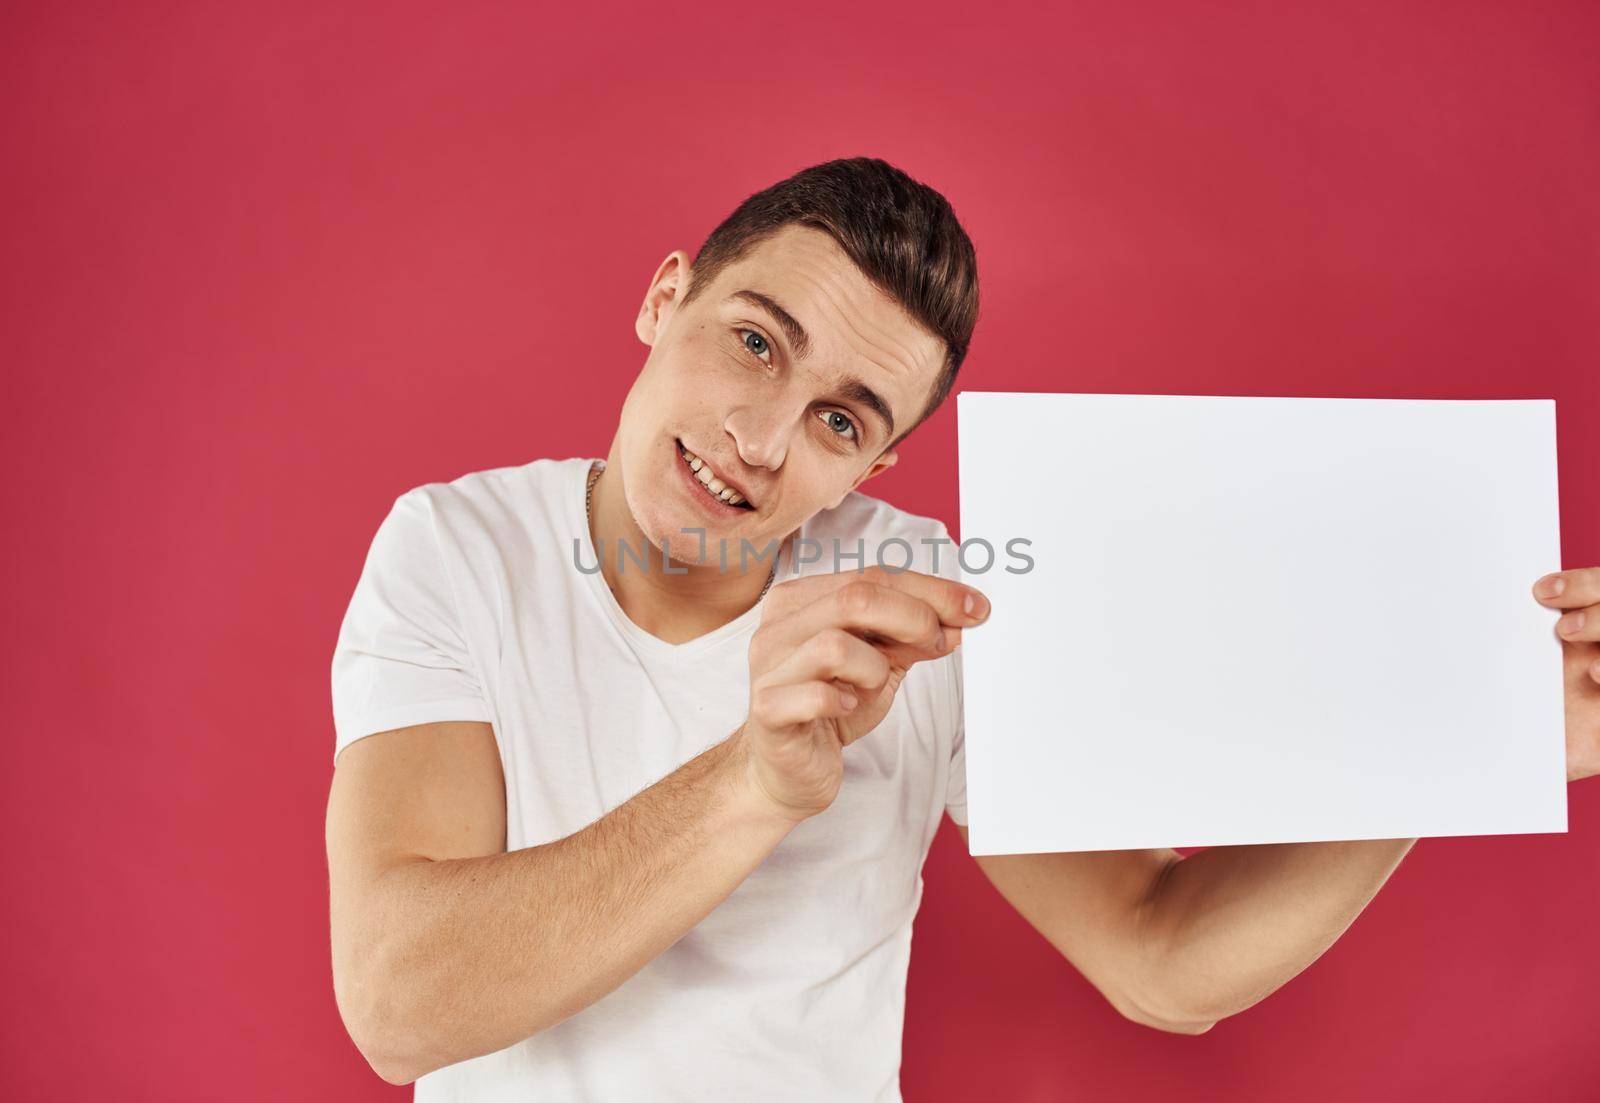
x=1255, y=620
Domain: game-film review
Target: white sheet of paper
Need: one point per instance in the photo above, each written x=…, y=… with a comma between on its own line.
x=1254, y=620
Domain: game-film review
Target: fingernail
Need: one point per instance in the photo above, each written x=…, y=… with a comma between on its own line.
x=849, y=699
x=976, y=606
x=1551, y=586
x=1571, y=622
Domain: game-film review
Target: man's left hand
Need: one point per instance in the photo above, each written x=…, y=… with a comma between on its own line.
x=1577, y=594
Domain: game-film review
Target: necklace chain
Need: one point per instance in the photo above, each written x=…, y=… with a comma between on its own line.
x=588, y=514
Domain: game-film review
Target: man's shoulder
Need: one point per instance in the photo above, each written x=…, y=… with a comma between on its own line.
x=863, y=515
x=887, y=533
x=498, y=504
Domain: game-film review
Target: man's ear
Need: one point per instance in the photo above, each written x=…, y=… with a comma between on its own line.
x=878, y=467
x=666, y=291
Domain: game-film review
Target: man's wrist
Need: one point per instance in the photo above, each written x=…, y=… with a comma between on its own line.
x=750, y=800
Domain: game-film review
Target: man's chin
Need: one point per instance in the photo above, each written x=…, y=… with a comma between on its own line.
x=691, y=544
x=677, y=540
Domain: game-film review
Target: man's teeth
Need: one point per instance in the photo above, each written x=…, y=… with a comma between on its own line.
x=707, y=479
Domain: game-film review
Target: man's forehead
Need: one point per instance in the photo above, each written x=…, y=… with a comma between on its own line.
x=808, y=269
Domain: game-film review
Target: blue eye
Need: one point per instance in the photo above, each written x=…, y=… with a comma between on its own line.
x=756, y=343
x=839, y=424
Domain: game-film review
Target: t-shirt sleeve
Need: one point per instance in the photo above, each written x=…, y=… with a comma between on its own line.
x=401, y=656
x=947, y=565
x=955, y=799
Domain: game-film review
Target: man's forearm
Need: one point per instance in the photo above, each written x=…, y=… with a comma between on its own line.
x=1228, y=926
x=469, y=956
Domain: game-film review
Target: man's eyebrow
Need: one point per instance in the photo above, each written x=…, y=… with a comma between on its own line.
x=793, y=330
x=858, y=391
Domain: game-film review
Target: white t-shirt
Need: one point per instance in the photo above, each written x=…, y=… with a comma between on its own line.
x=470, y=607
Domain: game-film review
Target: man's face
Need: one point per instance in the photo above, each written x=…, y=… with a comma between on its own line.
x=786, y=378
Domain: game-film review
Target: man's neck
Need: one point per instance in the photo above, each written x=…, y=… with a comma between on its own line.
x=672, y=600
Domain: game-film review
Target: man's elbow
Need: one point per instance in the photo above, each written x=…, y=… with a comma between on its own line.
x=380, y=1030
x=389, y=1070
x=1161, y=1016
x=1188, y=1026
x=399, y=1039
x=391, y=1062
x=375, y=1047
x=1171, y=1024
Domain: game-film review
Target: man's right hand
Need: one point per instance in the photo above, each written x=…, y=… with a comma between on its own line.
x=825, y=663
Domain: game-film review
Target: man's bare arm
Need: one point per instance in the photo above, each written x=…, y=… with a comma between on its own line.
x=1087, y=905
x=1229, y=926
x=446, y=947
x=1180, y=943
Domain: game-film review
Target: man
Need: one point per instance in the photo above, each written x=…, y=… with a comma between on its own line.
x=655, y=830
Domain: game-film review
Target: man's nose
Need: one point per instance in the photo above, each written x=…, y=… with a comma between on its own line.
x=761, y=433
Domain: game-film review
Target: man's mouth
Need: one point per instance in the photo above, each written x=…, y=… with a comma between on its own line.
x=709, y=481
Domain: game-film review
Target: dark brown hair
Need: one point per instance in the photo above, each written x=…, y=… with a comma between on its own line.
x=902, y=235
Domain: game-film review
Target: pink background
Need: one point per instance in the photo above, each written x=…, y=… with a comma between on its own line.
x=265, y=269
